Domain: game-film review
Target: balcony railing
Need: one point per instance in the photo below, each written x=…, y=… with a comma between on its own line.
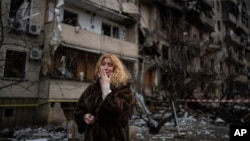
x=243, y=28
x=207, y=21
x=235, y=40
x=229, y=19
x=235, y=58
x=110, y=9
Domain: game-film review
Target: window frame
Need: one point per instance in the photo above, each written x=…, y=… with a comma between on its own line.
x=120, y=30
x=12, y=115
x=70, y=12
x=83, y=60
x=10, y=15
x=13, y=48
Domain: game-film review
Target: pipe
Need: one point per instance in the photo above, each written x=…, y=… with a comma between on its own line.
x=176, y=118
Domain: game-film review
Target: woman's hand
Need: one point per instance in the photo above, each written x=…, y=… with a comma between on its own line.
x=89, y=118
x=103, y=77
x=105, y=82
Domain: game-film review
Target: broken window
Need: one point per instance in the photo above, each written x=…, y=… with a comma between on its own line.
x=8, y=113
x=165, y=51
x=247, y=54
x=212, y=64
x=19, y=14
x=244, y=18
x=221, y=67
x=74, y=64
x=110, y=30
x=70, y=18
x=248, y=72
x=163, y=21
x=15, y=62
x=19, y=8
x=116, y=32
x=219, y=26
x=218, y=5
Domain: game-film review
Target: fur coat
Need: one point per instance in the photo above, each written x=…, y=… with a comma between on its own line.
x=111, y=115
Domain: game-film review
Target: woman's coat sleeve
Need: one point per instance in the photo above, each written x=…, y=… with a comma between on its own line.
x=117, y=106
x=80, y=111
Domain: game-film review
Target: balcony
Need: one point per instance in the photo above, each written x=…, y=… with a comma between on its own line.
x=229, y=19
x=111, y=9
x=235, y=59
x=65, y=89
x=243, y=28
x=206, y=4
x=87, y=40
x=209, y=22
x=234, y=40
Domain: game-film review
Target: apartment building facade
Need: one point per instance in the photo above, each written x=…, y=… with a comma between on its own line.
x=49, y=51
x=198, y=48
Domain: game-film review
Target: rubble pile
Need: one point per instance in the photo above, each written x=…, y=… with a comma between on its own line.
x=206, y=123
x=191, y=127
x=47, y=133
x=232, y=113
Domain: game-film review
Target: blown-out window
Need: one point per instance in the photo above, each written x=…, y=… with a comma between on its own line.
x=74, y=64
x=70, y=18
x=80, y=65
x=110, y=30
x=19, y=8
x=15, y=62
x=8, y=113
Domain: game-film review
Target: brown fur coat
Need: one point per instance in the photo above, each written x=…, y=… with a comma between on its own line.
x=111, y=114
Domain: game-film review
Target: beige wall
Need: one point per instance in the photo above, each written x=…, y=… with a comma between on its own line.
x=65, y=89
x=29, y=86
x=39, y=6
x=90, y=40
x=111, y=4
x=22, y=42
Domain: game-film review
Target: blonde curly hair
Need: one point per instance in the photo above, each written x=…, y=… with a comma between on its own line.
x=120, y=74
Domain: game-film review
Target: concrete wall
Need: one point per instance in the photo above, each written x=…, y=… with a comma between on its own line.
x=21, y=42
x=100, y=43
x=65, y=89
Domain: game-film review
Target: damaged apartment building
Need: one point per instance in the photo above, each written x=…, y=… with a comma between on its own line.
x=200, y=49
x=48, y=53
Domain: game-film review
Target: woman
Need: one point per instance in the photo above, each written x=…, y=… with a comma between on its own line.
x=105, y=107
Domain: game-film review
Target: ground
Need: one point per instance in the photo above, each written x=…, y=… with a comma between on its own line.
x=189, y=129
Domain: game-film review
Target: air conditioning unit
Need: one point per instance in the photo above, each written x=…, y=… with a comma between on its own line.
x=35, y=54
x=34, y=29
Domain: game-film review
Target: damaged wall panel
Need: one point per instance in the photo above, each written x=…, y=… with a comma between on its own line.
x=130, y=8
x=111, y=4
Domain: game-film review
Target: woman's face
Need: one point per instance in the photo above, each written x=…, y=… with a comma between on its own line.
x=107, y=65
